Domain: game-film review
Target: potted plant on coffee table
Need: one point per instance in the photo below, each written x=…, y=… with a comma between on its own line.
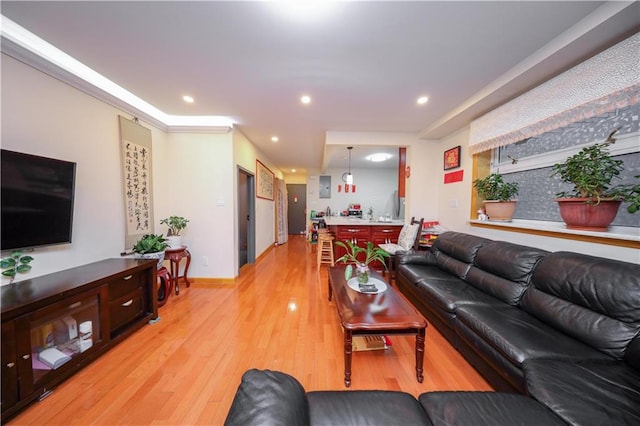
x=175, y=224
x=498, y=196
x=151, y=246
x=593, y=202
x=361, y=257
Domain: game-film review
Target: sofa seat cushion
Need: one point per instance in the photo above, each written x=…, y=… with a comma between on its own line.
x=267, y=397
x=450, y=293
x=362, y=408
x=486, y=409
x=586, y=392
x=519, y=336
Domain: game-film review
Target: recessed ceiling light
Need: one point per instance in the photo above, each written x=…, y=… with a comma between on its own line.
x=377, y=157
x=188, y=99
x=274, y=139
x=293, y=170
x=305, y=99
x=305, y=10
x=422, y=100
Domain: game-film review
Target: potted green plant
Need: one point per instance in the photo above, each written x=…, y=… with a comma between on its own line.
x=498, y=195
x=151, y=246
x=14, y=264
x=361, y=257
x=593, y=202
x=175, y=224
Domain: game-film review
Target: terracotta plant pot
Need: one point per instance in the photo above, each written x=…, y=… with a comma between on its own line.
x=577, y=213
x=501, y=211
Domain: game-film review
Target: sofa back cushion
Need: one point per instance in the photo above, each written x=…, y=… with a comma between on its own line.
x=504, y=270
x=592, y=299
x=454, y=252
x=267, y=397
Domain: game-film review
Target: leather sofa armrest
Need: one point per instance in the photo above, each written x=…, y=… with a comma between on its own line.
x=267, y=397
x=416, y=258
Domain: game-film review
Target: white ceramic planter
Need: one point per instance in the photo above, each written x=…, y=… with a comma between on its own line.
x=174, y=241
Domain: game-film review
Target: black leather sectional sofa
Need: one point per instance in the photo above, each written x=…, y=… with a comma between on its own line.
x=559, y=332
x=273, y=398
x=561, y=327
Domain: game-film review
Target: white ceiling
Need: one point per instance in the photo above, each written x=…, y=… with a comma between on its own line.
x=363, y=63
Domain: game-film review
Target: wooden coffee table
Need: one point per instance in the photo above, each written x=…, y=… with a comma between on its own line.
x=374, y=314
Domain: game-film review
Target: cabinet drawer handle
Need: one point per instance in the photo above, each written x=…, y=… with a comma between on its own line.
x=387, y=230
x=128, y=303
x=128, y=277
x=27, y=356
x=75, y=305
x=11, y=365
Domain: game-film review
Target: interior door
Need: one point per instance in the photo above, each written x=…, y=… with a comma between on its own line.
x=246, y=219
x=297, y=208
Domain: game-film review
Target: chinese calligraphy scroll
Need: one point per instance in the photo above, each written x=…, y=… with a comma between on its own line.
x=137, y=180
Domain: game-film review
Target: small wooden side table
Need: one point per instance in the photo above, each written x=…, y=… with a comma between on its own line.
x=174, y=256
x=164, y=290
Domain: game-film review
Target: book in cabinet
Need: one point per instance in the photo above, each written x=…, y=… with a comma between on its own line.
x=54, y=325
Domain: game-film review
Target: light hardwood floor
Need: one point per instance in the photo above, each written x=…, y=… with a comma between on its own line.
x=185, y=369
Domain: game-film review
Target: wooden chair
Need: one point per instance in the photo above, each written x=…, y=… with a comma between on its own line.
x=405, y=243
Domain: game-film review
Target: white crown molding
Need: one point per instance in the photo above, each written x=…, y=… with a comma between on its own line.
x=31, y=50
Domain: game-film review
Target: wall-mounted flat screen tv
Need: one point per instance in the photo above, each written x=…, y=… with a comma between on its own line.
x=37, y=200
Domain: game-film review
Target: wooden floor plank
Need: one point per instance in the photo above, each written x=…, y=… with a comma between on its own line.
x=185, y=369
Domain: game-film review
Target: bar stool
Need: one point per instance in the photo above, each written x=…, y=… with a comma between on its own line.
x=325, y=249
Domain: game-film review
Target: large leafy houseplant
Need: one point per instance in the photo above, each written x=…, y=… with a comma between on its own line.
x=362, y=257
x=494, y=188
x=150, y=243
x=175, y=224
x=151, y=246
x=591, y=172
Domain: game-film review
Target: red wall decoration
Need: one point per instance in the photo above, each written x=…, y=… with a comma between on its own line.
x=454, y=176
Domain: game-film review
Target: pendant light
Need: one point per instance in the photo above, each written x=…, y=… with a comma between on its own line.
x=348, y=177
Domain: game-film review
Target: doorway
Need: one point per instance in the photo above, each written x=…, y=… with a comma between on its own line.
x=246, y=218
x=297, y=210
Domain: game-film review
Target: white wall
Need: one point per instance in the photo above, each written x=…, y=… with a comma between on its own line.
x=245, y=155
x=42, y=116
x=192, y=175
x=422, y=189
x=374, y=188
x=191, y=179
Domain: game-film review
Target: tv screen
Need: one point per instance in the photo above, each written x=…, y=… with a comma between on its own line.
x=37, y=200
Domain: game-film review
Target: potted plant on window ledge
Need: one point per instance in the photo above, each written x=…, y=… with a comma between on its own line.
x=175, y=224
x=593, y=202
x=498, y=196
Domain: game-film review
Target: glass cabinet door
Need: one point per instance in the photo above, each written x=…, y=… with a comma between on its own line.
x=62, y=332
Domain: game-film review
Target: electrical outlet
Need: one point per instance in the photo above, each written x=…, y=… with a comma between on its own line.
x=453, y=203
x=205, y=261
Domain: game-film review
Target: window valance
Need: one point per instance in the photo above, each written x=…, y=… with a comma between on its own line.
x=608, y=81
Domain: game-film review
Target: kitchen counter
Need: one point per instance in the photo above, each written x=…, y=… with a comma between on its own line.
x=342, y=220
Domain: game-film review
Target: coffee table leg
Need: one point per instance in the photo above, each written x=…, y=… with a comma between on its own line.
x=420, y=354
x=348, y=348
